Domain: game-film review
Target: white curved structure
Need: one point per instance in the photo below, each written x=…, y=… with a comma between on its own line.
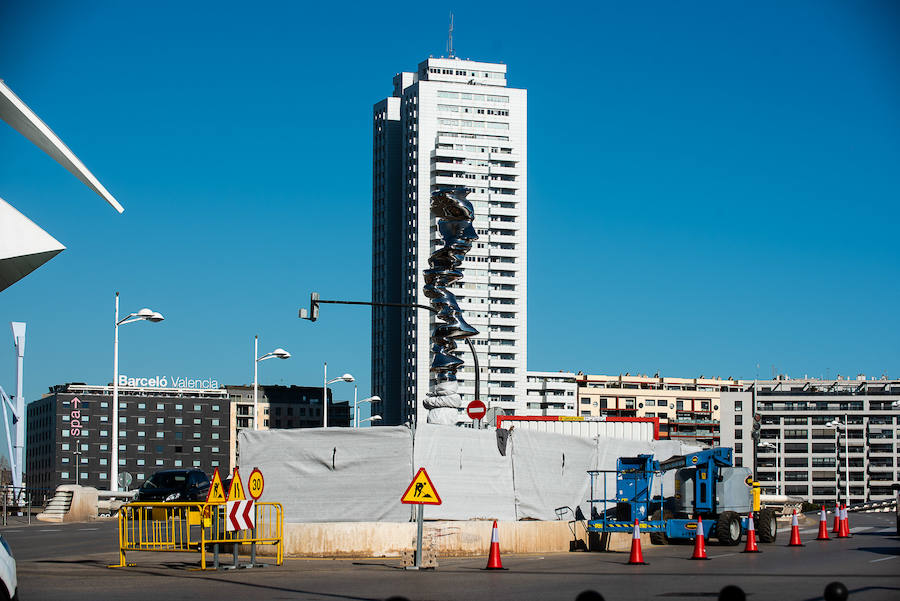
x=23, y=245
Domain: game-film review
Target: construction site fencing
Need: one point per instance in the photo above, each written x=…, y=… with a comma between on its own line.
x=196, y=528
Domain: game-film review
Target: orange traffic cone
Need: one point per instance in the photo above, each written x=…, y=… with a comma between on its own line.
x=751, y=546
x=844, y=530
x=494, y=562
x=795, y=532
x=636, y=557
x=699, y=541
x=837, y=519
x=823, y=526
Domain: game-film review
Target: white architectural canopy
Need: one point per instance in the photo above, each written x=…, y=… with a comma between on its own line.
x=23, y=245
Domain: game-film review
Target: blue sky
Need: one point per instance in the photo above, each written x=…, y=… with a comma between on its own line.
x=712, y=186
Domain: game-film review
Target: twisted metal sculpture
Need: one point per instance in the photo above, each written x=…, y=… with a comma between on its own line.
x=455, y=215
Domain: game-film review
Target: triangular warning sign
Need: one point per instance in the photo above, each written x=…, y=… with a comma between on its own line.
x=421, y=491
x=216, y=492
x=236, y=490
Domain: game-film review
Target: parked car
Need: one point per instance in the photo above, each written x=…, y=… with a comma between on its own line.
x=10, y=588
x=174, y=485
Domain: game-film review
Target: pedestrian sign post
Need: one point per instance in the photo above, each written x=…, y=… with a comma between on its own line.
x=216, y=492
x=420, y=492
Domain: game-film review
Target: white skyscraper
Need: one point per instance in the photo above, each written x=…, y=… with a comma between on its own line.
x=452, y=123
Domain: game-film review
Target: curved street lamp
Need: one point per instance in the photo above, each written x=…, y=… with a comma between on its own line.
x=374, y=418
x=356, y=404
x=837, y=426
x=142, y=315
x=344, y=378
x=278, y=353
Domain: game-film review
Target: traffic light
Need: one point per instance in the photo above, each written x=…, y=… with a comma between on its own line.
x=313, y=313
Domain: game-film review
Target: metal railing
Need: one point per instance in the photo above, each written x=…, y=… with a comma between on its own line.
x=196, y=527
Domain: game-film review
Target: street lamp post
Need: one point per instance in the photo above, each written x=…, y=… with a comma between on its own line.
x=77, y=454
x=278, y=353
x=142, y=315
x=778, y=472
x=344, y=378
x=374, y=418
x=837, y=426
x=356, y=405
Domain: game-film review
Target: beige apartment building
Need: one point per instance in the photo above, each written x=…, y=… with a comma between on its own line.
x=687, y=408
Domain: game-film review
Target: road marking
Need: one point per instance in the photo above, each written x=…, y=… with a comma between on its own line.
x=51, y=530
x=861, y=529
x=885, y=558
x=18, y=530
x=83, y=529
x=725, y=555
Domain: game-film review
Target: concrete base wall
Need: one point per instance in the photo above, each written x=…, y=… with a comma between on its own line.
x=448, y=539
x=84, y=503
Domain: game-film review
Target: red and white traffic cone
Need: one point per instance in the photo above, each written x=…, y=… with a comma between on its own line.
x=494, y=562
x=844, y=530
x=751, y=546
x=699, y=541
x=823, y=526
x=795, y=532
x=837, y=519
x=636, y=557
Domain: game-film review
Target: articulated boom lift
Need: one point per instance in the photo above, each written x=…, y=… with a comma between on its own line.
x=706, y=485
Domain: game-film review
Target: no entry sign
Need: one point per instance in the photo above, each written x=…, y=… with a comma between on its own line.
x=476, y=409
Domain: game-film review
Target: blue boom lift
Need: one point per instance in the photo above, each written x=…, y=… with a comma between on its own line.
x=706, y=485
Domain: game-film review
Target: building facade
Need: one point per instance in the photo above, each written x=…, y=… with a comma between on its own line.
x=550, y=393
x=68, y=434
x=280, y=407
x=688, y=408
x=451, y=123
x=798, y=454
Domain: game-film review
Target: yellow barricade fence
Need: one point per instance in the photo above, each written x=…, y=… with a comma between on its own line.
x=195, y=527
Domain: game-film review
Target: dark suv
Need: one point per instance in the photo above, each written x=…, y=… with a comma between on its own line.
x=174, y=485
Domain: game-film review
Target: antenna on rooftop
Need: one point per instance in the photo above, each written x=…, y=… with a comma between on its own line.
x=450, y=38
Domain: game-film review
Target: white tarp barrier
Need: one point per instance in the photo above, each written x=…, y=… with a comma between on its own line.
x=550, y=471
x=333, y=474
x=473, y=479
x=345, y=474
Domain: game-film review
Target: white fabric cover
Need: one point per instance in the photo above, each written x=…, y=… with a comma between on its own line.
x=473, y=479
x=333, y=474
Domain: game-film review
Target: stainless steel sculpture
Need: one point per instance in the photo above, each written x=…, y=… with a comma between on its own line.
x=455, y=215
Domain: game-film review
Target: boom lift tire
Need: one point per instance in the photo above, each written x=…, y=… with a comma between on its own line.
x=659, y=538
x=767, y=529
x=728, y=529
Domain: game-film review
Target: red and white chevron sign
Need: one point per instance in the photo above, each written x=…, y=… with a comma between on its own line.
x=240, y=515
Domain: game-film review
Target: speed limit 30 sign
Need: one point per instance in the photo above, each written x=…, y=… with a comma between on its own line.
x=255, y=483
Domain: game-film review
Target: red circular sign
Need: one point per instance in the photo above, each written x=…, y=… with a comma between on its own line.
x=476, y=409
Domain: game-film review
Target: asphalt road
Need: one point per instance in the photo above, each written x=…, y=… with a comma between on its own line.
x=69, y=562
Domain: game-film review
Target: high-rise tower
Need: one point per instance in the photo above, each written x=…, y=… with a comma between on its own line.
x=452, y=123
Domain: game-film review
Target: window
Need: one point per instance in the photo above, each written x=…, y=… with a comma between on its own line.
x=142, y=420
x=64, y=475
x=65, y=434
x=738, y=420
x=196, y=434
x=65, y=460
x=216, y=408
x=159, y=448
x=178, y=421
x=141, y=433
x=215, y=436
x=160, y=434
x=196, y=463
x=141, y=448
x=121, y=462
x=197, y=421
x=179, y=407
x=215, y=422
x=159, y=406
x=159, y=462
x=160, y=420
x=65, y=446
x=197, y=408
x=140, y=462
x=103, y=475
x=103, y=461
x=215, y=464
x=738, y=405
x=142, y=405
x=178, y=463
x=214, y=449
x=102, y=433
x=196, y=449
x=179, y=435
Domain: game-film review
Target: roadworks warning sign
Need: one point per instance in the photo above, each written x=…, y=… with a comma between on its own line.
x=421, y=491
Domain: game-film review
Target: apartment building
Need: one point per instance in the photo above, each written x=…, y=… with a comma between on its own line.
x=687, y=408
x=812, y=433
x=452, y=122
x=550, y=393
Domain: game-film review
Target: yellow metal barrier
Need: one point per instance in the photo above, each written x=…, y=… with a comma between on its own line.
x=195, y=527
